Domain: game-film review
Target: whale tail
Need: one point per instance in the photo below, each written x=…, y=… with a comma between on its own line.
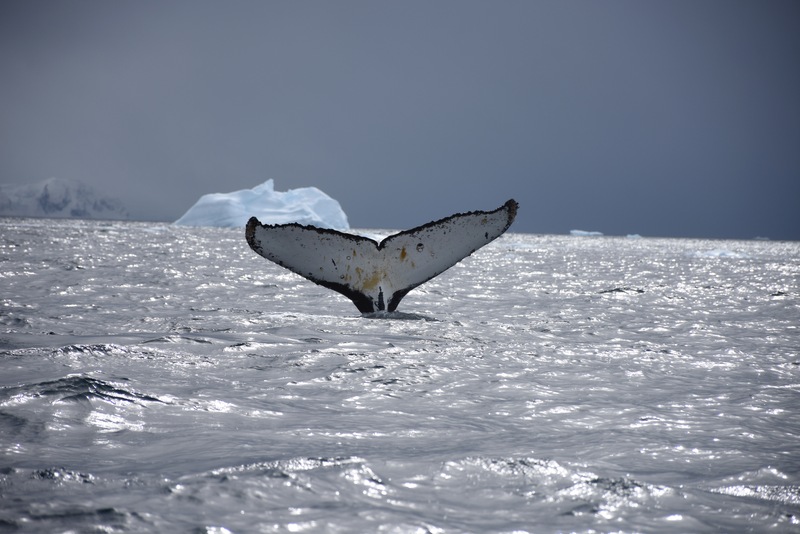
x=376, y=276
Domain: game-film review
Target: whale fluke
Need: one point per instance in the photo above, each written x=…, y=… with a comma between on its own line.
x=376, y=276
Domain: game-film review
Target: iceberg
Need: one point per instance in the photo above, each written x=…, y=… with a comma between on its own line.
x=59, y=198
x=305, y=205
x=585, y=233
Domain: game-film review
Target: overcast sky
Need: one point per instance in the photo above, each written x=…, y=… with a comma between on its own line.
x=669, y=118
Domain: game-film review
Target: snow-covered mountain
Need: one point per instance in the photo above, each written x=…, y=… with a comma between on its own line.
x=59, y=198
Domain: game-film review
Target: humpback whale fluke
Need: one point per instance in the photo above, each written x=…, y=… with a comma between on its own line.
x=376, y=276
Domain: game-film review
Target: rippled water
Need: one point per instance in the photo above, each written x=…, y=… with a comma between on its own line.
x=156, y=378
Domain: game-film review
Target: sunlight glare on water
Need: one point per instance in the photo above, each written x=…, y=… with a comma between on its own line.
x=161, y=378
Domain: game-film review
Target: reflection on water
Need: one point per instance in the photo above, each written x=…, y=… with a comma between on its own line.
x=156, y=378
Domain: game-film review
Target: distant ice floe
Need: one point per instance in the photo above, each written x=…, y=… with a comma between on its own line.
x=584, y=233
x=59, y=198
x=304, y=205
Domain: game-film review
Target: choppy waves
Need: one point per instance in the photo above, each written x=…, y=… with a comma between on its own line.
x=163, y=379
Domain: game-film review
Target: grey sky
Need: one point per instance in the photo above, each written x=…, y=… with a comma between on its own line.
x=673, y=118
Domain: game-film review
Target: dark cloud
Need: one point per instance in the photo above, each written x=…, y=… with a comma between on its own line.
x=660, y=118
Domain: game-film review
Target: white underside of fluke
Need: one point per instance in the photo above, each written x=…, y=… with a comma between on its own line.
x=376, y=276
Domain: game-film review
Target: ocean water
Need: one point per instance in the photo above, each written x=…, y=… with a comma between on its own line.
x=164, y=379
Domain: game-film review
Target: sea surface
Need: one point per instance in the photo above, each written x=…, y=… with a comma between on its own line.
x=156, y=378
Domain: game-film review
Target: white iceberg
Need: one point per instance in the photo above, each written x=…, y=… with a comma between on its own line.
x=305, y=205
x=59, y=198
x=585, y=233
